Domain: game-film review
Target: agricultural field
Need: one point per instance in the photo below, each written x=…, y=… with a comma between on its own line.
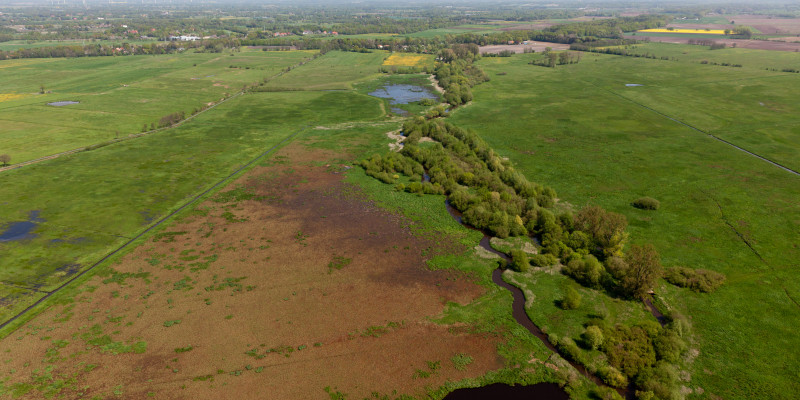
x=696, y=31
x=116, y=96
x=598, y=141
x=409, y=60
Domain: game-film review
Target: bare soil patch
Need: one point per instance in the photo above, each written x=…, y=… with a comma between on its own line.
x=293, y=284
x=520, y=48
x=768, y=25
x=701, y=26
x=740, y=43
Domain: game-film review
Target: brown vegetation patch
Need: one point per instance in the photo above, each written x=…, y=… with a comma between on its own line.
x=740, y=43
x=769, y=25
x=292, y=284
x=520, y=48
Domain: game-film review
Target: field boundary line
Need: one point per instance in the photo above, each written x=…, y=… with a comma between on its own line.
x=151, y=227
x=783, y=167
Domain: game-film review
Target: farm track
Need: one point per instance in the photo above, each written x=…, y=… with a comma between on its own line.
x=149, y=229
x=783, y=167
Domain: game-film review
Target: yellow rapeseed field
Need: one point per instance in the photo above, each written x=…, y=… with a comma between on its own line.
x=406, y=60
x=11, y=96
x=683, y=30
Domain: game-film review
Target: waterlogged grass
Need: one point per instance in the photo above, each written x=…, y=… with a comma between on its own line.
x=579, y=129
x=94, y=201
x=117, y=96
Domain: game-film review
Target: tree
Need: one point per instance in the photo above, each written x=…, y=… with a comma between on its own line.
x=605, y=227
x=644, y=268
x=593, y=337
x=571, y=300
x=5, y=159
x=519, y=261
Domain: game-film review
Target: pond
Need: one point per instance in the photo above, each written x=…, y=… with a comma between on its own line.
x=62, y=103
x=402, y=93
x=22, y=229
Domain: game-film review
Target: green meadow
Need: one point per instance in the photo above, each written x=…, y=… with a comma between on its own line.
x=579, y=129
x=94, y=201
x=336, y=71
x=117, y=95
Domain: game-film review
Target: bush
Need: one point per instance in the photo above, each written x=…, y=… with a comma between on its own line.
x=593, y=337
x=586, y=271
x=646, y=203
x=519, y=261
x=698, y=280
x=612, y=377
x=569, y=349
x=571, y=300
x=605, y=393
x=543, y=260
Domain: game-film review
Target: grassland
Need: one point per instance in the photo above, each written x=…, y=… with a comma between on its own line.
x=151, y=305
x=96, y=200
x=581, y=130
x=117, y=95
x=336, y=71
x=577, y=128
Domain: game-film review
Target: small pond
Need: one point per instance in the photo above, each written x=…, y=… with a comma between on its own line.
x=402, y=94
x=542, y=391
x=633, y=84
x=62, y=103
x=22, y=229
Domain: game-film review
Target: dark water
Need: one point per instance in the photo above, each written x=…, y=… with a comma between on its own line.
x=541, y=391
x=399, y=111
x=62, y=103
x=402, y=94
x=22, y=229
x=518, y=306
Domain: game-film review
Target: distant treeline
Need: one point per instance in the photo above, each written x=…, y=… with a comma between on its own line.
x=100, y=50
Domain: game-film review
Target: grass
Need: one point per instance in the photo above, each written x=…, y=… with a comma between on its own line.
x=337, y=70
x=117, y=95
x=580, y=130
x=409, y=60
x=143, y=180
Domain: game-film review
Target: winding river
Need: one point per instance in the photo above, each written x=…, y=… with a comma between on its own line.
x=519, y=314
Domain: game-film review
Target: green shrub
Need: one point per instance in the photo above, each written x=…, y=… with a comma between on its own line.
x=605, y=393
x=612, y=377
x=593, y=337
x=586, y=270
x=698, y=280
x=519, y=260
x=543, y=260
x=569, y=349
x=646, y=203
x=571, y=300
